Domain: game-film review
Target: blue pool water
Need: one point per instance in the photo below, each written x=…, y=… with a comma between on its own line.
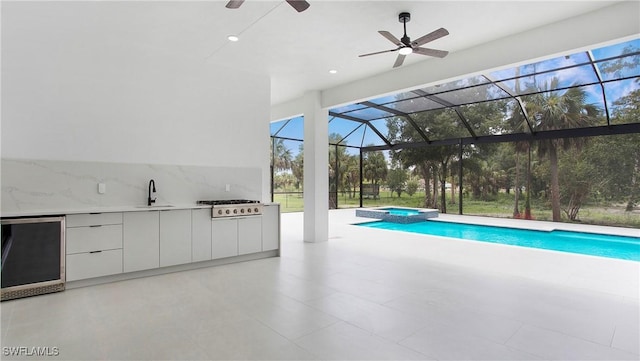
x=575, y=242
x=400, y=211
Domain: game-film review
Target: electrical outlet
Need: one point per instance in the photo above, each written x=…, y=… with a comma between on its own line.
x=227, y=187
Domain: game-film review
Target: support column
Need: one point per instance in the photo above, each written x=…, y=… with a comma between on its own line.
x=316, y=169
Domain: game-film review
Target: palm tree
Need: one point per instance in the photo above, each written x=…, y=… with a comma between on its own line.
x=375, y=168
x=518, y=123
x=551, y=110
x=352, y=171
x=527, y=201
x=281, y=155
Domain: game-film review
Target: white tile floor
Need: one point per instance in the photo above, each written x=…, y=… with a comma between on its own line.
x=365, y=294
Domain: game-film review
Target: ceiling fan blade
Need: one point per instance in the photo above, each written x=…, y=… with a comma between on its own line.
x=399, y=60
x=430, y=52
x=299, y=5
x=436, y=34
x=378, y=52
x=234, y=4
x=390, y=37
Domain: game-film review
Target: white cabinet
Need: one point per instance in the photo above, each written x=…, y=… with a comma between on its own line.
x=141, y=248
x=270, y=227
x=93, y=238
x=236, y=236
x=103, y=244
x=93, y=245
x=249, y=235
x=200, y=235
x=93, y=264
x=93, y=219
x=175, y=237
x=224, y=238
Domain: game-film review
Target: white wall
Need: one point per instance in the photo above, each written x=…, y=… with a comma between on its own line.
x=84, y=81
x=53, y=186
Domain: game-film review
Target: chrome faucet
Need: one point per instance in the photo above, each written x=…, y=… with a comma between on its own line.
x=152, y=192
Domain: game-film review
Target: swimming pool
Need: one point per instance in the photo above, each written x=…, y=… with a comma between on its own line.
x=602, y=245
x=401, y=211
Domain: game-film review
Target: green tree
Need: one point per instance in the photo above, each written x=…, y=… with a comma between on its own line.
x=622, y=152
x=374, y=167
x=552, y=110
x=396, y=180
x=517, y=123
x=627, y=110
x=412, y=187
x=336, y=157
x=431, y=161
x=281, y=156
x=352, y=175
x=344, y=171
x=297, y=167
x=434, y=162
x=577, y=179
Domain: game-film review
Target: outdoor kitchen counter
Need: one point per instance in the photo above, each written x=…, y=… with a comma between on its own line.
x=106, y=244
x=99, y=209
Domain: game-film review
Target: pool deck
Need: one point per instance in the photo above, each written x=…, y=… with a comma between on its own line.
x=608, y=275
x=551, y=305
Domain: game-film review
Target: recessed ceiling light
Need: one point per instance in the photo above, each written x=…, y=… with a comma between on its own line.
x=333, y=71
x=233, y=38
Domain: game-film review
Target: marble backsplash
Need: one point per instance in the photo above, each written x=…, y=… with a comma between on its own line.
x=45, y=184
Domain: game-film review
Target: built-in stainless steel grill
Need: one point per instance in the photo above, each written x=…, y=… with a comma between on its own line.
x=233, y=207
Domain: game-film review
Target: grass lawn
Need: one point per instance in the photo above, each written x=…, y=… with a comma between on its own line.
x=501, y=207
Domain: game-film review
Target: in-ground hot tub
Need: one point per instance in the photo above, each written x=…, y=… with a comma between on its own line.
x=398, y=214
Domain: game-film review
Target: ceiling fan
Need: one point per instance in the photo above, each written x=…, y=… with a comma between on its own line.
x=299, y=5
x=405, y=46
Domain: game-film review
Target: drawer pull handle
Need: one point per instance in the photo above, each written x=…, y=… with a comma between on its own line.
x=95, y=252
x=95, y=225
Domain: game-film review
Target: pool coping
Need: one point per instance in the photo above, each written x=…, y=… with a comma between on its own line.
x=382, y=213
x=538, y=225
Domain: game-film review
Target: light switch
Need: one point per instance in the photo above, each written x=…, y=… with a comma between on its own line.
x=227, y=187
x=102, y=188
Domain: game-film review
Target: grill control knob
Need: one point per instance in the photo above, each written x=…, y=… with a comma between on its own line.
x=227, y=211
x=219, y=211
x=235, y=211
x=241, y=210
x=256, y=210
x=248, y=210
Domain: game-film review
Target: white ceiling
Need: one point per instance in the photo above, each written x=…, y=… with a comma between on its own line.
x=297, y=50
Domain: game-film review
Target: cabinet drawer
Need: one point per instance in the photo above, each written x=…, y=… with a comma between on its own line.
x=88, y=265
x=87, y=239
x=92, y=219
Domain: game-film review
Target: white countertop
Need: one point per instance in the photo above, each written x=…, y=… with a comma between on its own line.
x=99, y=209
x=106, y=209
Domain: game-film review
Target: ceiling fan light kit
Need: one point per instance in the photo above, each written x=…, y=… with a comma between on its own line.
x=405, y=46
